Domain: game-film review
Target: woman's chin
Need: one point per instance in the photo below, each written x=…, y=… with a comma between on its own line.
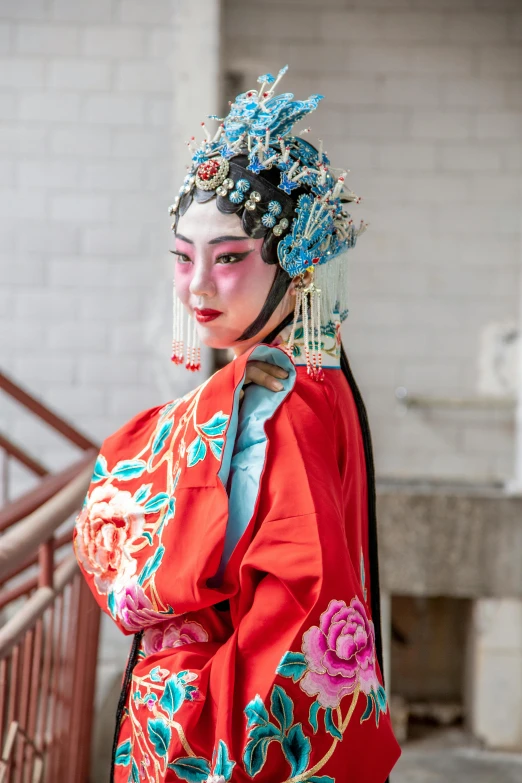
x=215, y=338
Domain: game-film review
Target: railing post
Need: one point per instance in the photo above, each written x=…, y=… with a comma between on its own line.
x=46, y=564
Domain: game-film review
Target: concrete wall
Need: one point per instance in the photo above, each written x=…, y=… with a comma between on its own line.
x=423, y=104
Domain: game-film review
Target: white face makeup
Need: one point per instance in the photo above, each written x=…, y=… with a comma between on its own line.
x=221, y=278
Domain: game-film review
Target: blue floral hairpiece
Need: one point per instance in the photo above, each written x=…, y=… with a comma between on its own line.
x=259, y=124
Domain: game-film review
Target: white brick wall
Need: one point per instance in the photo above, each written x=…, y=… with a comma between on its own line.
x=86, y=175
x=423, y=104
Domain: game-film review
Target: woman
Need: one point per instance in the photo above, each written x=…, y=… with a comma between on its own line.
x=233, y=530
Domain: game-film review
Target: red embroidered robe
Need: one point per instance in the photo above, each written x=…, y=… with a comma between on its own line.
x=235, y=537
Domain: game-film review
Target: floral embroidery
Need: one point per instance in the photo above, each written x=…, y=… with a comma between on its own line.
x=108, y=524
x=114, y=526
x=133, y=608
x=337, y=659
x=174, y=634
x=339, y=654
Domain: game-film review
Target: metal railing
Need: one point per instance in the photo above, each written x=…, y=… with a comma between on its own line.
x=49, y=637
x=48, y=647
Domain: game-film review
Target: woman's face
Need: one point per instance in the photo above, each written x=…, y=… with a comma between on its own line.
x=221, y=278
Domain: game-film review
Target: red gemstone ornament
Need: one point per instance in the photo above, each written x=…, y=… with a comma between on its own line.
x=211, y=173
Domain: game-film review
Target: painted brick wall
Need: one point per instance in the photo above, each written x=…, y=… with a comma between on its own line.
x=86, y=176
x=424, y=105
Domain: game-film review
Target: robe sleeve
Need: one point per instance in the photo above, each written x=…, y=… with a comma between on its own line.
x=297, y=686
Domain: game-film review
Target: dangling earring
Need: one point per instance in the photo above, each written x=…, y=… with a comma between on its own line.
x=308, y=306
x=193, y=350
x=178, y=343
x=193, y=362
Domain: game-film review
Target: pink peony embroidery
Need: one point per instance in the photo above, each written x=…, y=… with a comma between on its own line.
x=174, y=634
x=105, y=529
x=134, y=608
x=340, y=654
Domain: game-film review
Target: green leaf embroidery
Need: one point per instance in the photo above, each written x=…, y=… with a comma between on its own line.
x=173, y=696
x=191, y=768
x=123, y=754
x=159, y=735
x=224, y=765
x=330, y=726
x=312, y=715
x=292, y=665
x=320, y=779
x=152, y=564
x=216, y=447
x=196, y=452
x=255, y=751
x=135, y=773
x=282, y=707
x=256, y=712
x=147, y=535
x=128, y=469
x=100, y=469
x=369, y=707
x=155, y=503
x=111, y=603
x=296, y=748
x=216, y=425
x=142, y=493
x=161, y=436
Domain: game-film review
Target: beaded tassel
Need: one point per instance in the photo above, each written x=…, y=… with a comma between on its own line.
x=308, y=306
x=178, y=343
x=193, y=362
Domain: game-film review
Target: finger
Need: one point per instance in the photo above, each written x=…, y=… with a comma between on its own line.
x=271, y=369
x=262, y=378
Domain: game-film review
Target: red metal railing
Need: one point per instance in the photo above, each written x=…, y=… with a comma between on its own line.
x=49, y=640
x=48, y=649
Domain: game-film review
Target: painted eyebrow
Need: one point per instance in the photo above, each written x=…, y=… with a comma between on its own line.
x=214, y=241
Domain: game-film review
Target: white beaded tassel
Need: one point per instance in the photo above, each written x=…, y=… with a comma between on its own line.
x=178, y=344
x=297, y=312
x=193, y=362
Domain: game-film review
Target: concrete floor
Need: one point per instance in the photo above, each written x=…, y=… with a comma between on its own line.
x=449, y=757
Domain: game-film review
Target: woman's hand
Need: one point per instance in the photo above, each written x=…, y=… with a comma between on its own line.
x=264, y=374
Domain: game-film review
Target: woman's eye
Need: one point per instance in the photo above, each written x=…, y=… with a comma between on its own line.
x=181, y=258
x=227, y=259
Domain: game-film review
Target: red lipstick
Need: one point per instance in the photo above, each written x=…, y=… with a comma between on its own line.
x=206, y=314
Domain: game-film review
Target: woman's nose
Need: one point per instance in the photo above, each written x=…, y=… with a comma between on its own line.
x=202, y=283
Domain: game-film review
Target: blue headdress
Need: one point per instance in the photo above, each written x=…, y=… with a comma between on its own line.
x=260, y=126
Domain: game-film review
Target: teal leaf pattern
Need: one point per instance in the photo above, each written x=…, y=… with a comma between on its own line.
x=256, y=712
x=296, y=748
x=156, y=503
x=134, y=776
x=100, y=469
x=256, y=748
x=224, y=766
x=152, y=564
x=129, y=469
x=159, y=735
x=330, y=726
x=320, y=779
x=142, y=493
x=216, y=425
x=216, y=447
x=196, y=452
x=161, y=436
x=312, y=715
x=292, y=665
x=123, y=754
x=111, y=603
x=191, y=769
x=369, y=707
x=173, y=696
x=282, y=707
